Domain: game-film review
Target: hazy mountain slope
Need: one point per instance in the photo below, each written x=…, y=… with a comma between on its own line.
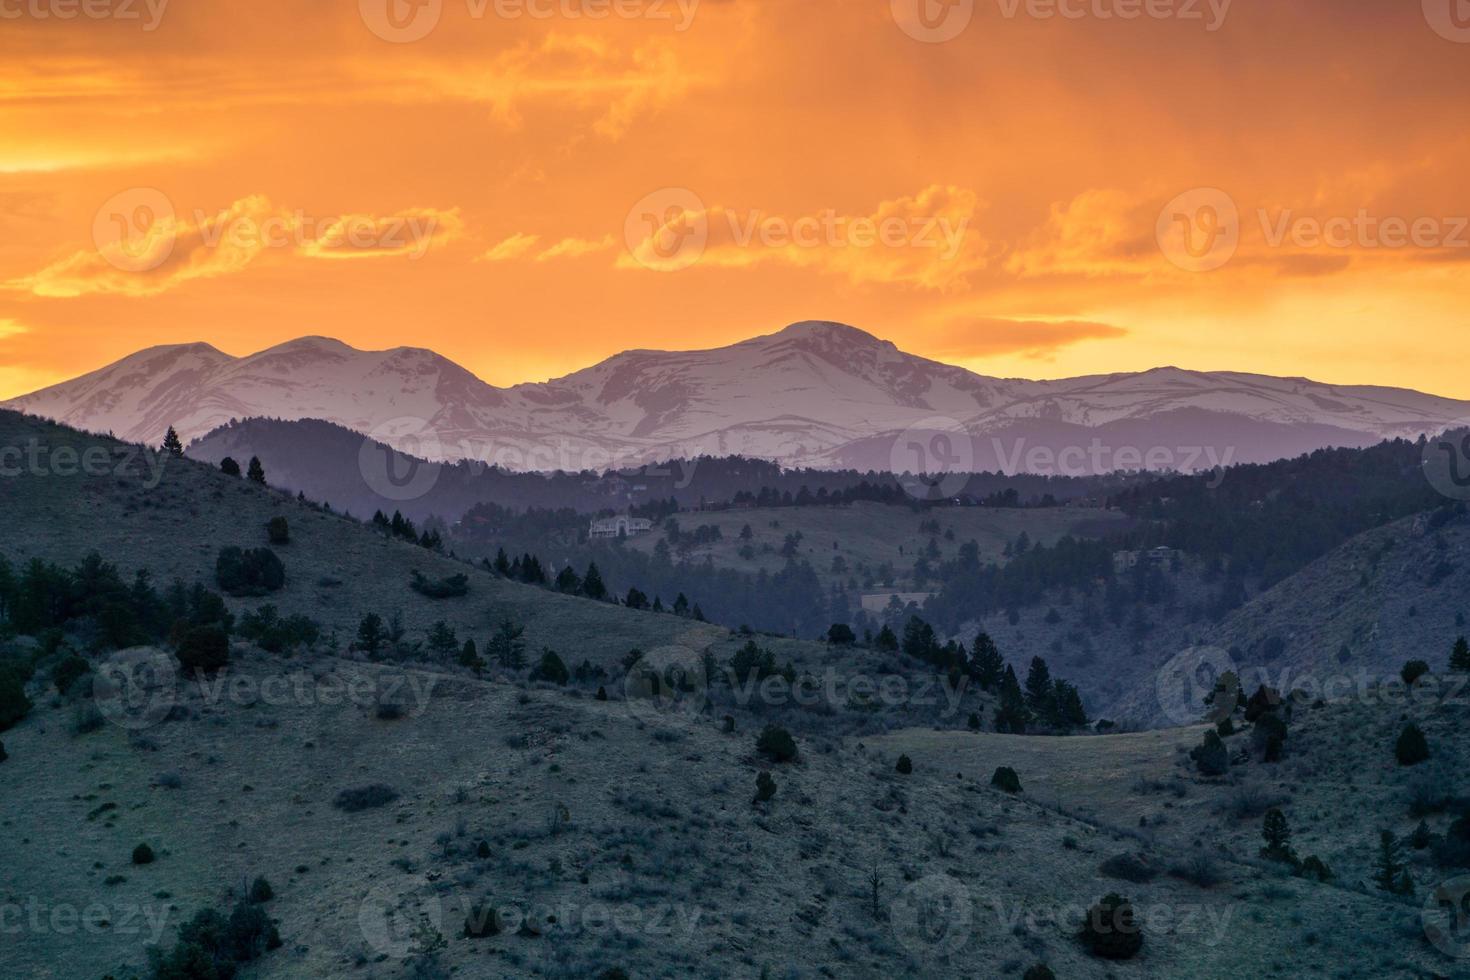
x=813, y=394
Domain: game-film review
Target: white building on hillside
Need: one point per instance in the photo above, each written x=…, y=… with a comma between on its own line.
x=621, y=526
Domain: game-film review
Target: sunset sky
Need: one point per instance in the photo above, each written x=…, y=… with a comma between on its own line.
x=527, y=195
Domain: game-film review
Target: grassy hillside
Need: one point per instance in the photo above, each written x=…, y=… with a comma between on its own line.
x=387, y=803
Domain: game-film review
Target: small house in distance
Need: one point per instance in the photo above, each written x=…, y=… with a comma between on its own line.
x=621, y=526
x=1162, y=556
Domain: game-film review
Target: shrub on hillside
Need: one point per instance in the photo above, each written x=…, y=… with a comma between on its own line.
x=277, y=531
x=1039, y=972
x=212, y=946
x=551, y=669
x=905, y=765
x=14, y=705
x=1413, y=670
x=361, y=798
x=68, y=672
x=776, y=744
x=1211, y=757
x=1129, y=867
x=1111, y=930
x=443, y=588
x=249, y=572
x=765, y=787
x=203, y=650
x=1412, y=747
x=261, y=892
x=143, y=854
x=1006, y=780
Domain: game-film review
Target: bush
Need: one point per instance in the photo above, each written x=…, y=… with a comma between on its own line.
x=444, y=588
x=1413, y=670
x=1200, y=868
x=1039, y=972
x=278, y=531
x=3, y=754
x=261, y=891
x=776, y=744
x=765, y=787
x=252, y=572
x=1211, y=757
x=1006, y=780
x=1111, y=930
x=905, y=765
x=143, y=854
x=482, y=920
x=1411, y=748
x=68, y=672
x=212, y=947
x=365, y=798
x=1129, y=867
x=203, y=650
x=551, y=669
x=14, y=705
x=841, y=635
x=1269, y=737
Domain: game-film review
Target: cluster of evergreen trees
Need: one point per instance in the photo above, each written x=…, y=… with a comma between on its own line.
x=401, y=527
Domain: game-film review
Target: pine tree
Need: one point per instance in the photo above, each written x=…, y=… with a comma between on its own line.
x=506, y=647
x=592, y=586
x=1460, y=657
x=470, y=657
x=1038, y=688
x=171, y=443
x=1388, y=868
x=370, y=634
x=681, y=605
x=1277, y=835
x=442, y=639
x=567, y=580
x=255, y=473
x=987, y=662
x=1011, y=715
x=1412, y=748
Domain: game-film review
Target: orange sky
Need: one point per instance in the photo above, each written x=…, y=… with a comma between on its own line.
x=529, y=194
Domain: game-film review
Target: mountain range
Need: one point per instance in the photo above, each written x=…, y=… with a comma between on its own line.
x=814, y=394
